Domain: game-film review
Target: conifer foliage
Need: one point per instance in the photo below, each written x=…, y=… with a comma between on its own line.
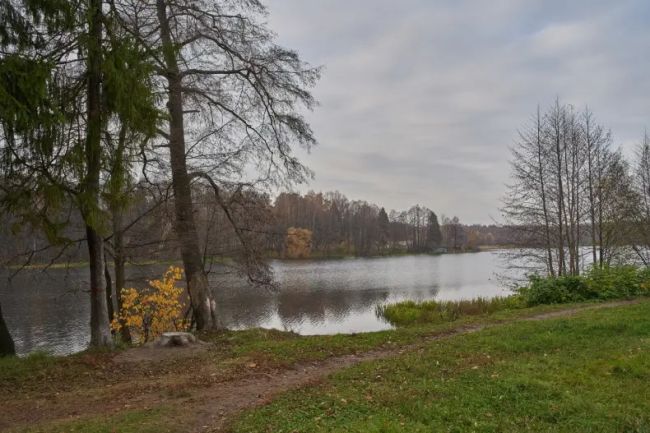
x=68, y=79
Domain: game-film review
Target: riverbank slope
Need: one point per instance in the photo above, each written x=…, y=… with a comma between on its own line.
x=502, y=371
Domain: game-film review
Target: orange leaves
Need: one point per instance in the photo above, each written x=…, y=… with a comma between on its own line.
x=150, y=312
x=298, y=243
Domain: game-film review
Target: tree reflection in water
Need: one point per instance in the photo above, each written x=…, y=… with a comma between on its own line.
x=47, y=311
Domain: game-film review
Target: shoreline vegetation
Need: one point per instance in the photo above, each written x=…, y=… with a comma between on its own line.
x=41, y=393
x=597, y=284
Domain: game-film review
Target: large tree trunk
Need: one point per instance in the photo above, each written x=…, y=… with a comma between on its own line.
x=119, y=260
x=100, y=335
x=203, y=304
x=7, y=347
x=109, y=291
x=117, y=216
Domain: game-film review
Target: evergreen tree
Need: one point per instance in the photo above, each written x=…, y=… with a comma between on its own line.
x=434, y=234
x=384, y=228
x=65, y=81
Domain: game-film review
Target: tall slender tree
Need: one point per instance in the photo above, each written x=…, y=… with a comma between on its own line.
x=384, y=228
x=63, y=79
x=434, y=235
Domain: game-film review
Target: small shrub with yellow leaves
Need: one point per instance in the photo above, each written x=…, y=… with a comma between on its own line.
x=157, y=309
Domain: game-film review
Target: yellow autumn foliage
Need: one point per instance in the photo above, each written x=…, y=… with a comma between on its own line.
x=157, y=309
x=298, y=243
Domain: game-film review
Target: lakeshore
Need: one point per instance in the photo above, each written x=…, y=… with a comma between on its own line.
x=531, y=368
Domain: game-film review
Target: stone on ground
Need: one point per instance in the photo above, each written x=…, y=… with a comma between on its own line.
x=175, y=339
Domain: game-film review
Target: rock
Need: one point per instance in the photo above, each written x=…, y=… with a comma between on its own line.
x=175, y=339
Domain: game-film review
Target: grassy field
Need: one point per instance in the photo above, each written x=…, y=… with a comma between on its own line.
x=585, y=373
x=409, y=313
x=590, y=373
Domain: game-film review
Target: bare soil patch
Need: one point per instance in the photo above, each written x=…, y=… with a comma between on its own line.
x=160, y=354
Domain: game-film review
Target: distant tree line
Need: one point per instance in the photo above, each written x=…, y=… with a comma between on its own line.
x=337, y=226
x=340, y=226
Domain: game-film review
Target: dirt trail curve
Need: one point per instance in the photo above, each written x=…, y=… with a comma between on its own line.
x=222, y=404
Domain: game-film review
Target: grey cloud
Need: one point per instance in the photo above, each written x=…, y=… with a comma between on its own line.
x=420, y=100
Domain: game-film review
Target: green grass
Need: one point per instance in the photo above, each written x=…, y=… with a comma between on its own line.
x=409, y=312
x=41, y=376
x=281, y=349
x=608, y=283
x=273, y=347
x=144, y=421
x=24, y=373
x=43, y=371
x=11, y=367
x=584, y=374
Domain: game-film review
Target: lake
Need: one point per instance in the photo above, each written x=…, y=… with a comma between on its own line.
x=49, y=310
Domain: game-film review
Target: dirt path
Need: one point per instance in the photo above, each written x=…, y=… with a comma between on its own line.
x=210, y=398
x=222, y=404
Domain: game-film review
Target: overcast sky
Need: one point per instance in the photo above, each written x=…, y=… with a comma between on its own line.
x=421, y=99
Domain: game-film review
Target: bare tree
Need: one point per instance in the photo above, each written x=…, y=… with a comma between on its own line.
x=232, y=101
x=528, y=204
x=569, y=189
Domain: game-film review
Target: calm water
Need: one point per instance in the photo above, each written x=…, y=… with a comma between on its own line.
x=50, y=310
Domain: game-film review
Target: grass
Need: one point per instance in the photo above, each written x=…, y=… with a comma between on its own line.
x=409, y=312
x=265, y=347
x=587, y=374
x=92, y=376
x=13, y=367
x=616, y=282
x=277, y=349
x=233, y=350
x=140, y=421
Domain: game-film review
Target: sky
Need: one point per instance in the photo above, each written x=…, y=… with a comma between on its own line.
x=421, y=100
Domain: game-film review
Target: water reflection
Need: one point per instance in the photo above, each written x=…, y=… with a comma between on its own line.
x=50, y=311
x=47, y=311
